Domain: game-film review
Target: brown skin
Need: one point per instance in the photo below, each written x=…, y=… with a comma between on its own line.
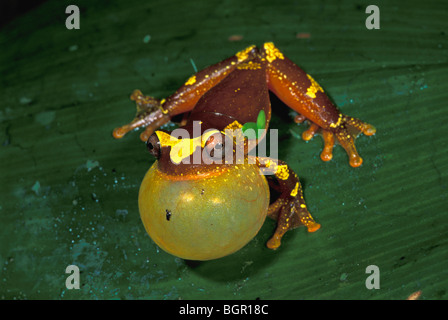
x=237, y=89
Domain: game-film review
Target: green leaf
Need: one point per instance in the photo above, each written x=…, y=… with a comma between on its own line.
x=261, y=120
x=250, y=133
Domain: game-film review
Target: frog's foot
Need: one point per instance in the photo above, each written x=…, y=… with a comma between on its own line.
x=345, y=132
x=290, y=212
x=149, y=114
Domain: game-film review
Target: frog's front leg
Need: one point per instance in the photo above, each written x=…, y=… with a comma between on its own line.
x=152, y=113
x=289, y=209
x=302, y=93
x=149, y=114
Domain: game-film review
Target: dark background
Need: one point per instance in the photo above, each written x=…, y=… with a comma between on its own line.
x=68, y=192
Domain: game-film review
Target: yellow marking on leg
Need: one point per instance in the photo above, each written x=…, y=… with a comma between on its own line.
x=272, y=52
x=244, y=54
x=282, y=172
x=337, y=124
x=163, y=110
x=249, y=66
x=295, y=190
x=312, y=90
x=191, y=81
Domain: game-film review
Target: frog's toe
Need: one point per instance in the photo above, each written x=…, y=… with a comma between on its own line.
x=348, y=143
x=119, y=132
x=327, y=152
x=358, y=125
x=144, y=136
x=313, y=227
x=309, y=133
x=292, y=214
x=274, y=242
x=306, y=219
x=299, y=118
x=365, y=128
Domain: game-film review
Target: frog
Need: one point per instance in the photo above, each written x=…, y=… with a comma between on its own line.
x=199, y=201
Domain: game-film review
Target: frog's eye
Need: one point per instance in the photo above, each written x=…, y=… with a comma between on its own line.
x=215, y=146
x=153, y=145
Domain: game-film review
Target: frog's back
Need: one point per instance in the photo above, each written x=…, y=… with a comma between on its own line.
x=240, y=96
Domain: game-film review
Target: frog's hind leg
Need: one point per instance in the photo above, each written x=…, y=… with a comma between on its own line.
x=289, y=209
x=303, y=94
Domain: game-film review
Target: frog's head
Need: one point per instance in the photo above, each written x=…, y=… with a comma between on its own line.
x=182, y=155
x=193, y=151
x=205, y=147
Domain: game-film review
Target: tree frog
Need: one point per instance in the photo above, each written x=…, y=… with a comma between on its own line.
x=198, y=201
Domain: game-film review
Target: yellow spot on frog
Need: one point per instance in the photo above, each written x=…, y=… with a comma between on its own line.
x=165, y=139
x=312, y=90
x=269, y=163
x=191, y=81
x=249, y=66
x=244, y=54
x=272, y=52
x=337, y=124
x=295, y=190
x=234, y=125
x=182, y=148
x=164, y=111
x=282, y=172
